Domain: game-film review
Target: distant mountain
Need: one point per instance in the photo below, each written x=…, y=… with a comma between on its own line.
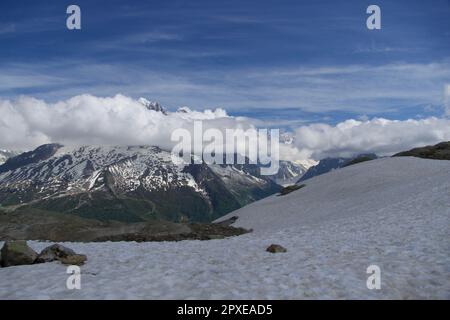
x=288, y=173
x=324, y=166
x=134, y=183
x=440, y=151
x=6, y=154
x=152, y=105
x=329, y=164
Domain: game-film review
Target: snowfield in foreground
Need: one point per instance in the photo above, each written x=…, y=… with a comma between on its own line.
x=393, y=212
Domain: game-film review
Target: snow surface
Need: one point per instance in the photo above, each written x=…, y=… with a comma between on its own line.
x=394, y=213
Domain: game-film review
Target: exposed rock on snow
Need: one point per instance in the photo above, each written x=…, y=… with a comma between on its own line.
x=60, y=253
x=16, y=253
x=38, y=225
x=275, y=248
x=54, y=252
x=289, y=189
x=74, y=259
x=227, y=222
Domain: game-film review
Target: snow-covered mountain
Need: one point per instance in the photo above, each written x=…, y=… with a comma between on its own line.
x=329, y=164
x=152, y=105
x=127, y=183
x=306, y=163
x=6, y=154
x=288, y=173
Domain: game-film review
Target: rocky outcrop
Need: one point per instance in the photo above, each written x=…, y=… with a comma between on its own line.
x=40, y=225
x=441, y=151
x=16, y=253
x=60, y=253
x=75, y=259
x=54, y=252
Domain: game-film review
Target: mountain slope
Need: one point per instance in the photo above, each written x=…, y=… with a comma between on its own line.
x=133, y=183
x=374, y=187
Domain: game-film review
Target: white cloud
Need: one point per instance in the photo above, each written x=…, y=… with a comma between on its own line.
x=380, y=136
x=86, y=119
x=447, y=99
x=119, y=120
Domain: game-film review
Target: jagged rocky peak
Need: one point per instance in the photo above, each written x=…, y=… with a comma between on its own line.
x=152, y=105
x=184, y=110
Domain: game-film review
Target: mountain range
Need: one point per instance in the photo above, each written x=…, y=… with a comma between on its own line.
x=127, y=183
x=329, y=164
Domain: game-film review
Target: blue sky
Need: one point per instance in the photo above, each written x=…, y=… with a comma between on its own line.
x=284, y=62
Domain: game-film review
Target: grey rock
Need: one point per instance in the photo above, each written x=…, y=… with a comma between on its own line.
x=228, y=222
x=54, y=252
x=16, y=253
x=276, y=248
x=76, y=259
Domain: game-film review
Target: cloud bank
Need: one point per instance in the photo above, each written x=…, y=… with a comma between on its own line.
x=120, y=120
x=378, y=135
x=85, y=119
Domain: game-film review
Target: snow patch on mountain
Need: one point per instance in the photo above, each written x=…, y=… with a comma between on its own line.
x=77, y=169
x=288, y=173
x=152, y=105
x=376, y=187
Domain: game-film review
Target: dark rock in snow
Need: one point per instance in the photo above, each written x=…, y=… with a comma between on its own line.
x=16, y=253
x=54, y=252
x=227, y=222
x=276, y=248
x=75, y=259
